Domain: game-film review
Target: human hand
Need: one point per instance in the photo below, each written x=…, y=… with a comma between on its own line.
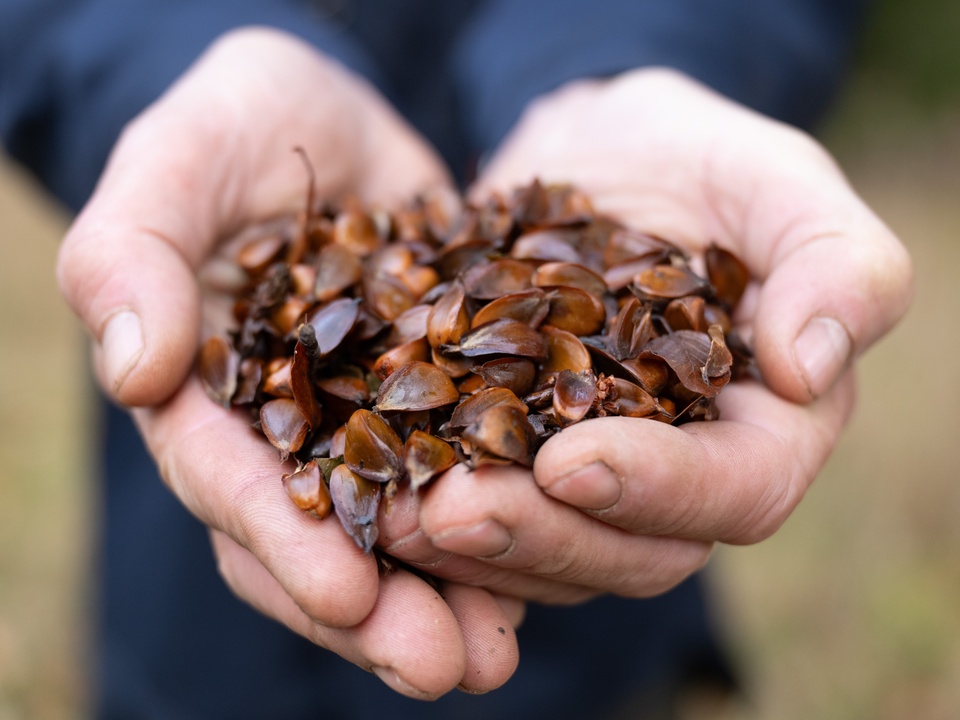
x=669, y=157
x=210, y=157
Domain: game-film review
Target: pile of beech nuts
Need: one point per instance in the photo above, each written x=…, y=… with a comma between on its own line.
x=378, y=349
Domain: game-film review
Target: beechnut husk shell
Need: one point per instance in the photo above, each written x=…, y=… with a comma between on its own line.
x=380, y=349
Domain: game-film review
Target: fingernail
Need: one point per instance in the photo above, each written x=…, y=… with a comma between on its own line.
x=485, y=539
x=122, y=344
x=390, y=678
x=470, y=691
x=822, y=350
x=591, y=487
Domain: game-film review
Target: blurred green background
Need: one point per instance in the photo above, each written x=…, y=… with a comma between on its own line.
x=852, y=611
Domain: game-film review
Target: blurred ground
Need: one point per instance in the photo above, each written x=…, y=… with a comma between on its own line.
x=45, y=498
x=848, y=613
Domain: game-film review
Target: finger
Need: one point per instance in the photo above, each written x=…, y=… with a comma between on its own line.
x=838, y=281
x=230, y=479
x=835, y=278
x=513, y=608
x=492, y=654
x=510, y=523
x=733, y=480
x=140, y=303
x=402, y=537
x=411, y=639
x=191, y=170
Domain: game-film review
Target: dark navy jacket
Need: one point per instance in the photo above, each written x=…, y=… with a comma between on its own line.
x=171, y=641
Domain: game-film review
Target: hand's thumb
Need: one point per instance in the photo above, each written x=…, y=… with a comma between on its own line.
x=840, y=281
x=139, y=301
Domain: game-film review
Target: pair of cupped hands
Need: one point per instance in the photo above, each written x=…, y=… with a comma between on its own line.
x=613, y=505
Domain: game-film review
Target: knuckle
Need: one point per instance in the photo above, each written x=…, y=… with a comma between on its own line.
x=772, y=509
x=892, y=273
x=79, y=275
x=560, y=564
x=244, y=509
x=676, y=561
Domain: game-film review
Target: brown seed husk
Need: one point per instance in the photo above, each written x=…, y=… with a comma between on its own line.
x=425, y=456
x=689, y=354
x=416, y=386
x=728, y=274
x=301, y=384
x=575, y=311
x=337, y=269
x=333, y=322
x=527, y=306
x=219, y=364
x=515, y=374
x=574, y=395
x=500, y=337
x=472, y=407
x=477, y=330
x=505, y=432
x=571, y=275
x=392, y=360
x=373, y=450
x=284, y=425
x=356, y=501
x=308, y=490
x=448, y=320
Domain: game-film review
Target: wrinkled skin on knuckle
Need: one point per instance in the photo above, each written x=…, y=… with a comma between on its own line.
x=769, y=513
x=683, y=560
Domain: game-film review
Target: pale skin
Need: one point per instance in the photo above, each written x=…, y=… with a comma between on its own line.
x=651, y=147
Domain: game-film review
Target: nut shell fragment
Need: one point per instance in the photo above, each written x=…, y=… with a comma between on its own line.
x=448, y=319
x=379, y=349
x=356, y=501
x=373, y=450
x=528, y=306
x=472, y=408
x=574, y=395
x=728, y=275
x=426, y=456
x=668, y=282
x=337, y=269
x=308, y=490
x=284, y=425
x=219, y=364
x=688, y=354
x=564, y=352
x=515, y=374
x=333, y=322
x=503, y=431
x=416, y=386
x=501, y=337
x=571, y=275
x=575, y=311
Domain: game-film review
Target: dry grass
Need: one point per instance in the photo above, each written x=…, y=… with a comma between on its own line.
x=848, y=613
x=45, y=499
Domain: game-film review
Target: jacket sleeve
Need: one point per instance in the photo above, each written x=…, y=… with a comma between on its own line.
x=781, y=57
x=73, y=72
